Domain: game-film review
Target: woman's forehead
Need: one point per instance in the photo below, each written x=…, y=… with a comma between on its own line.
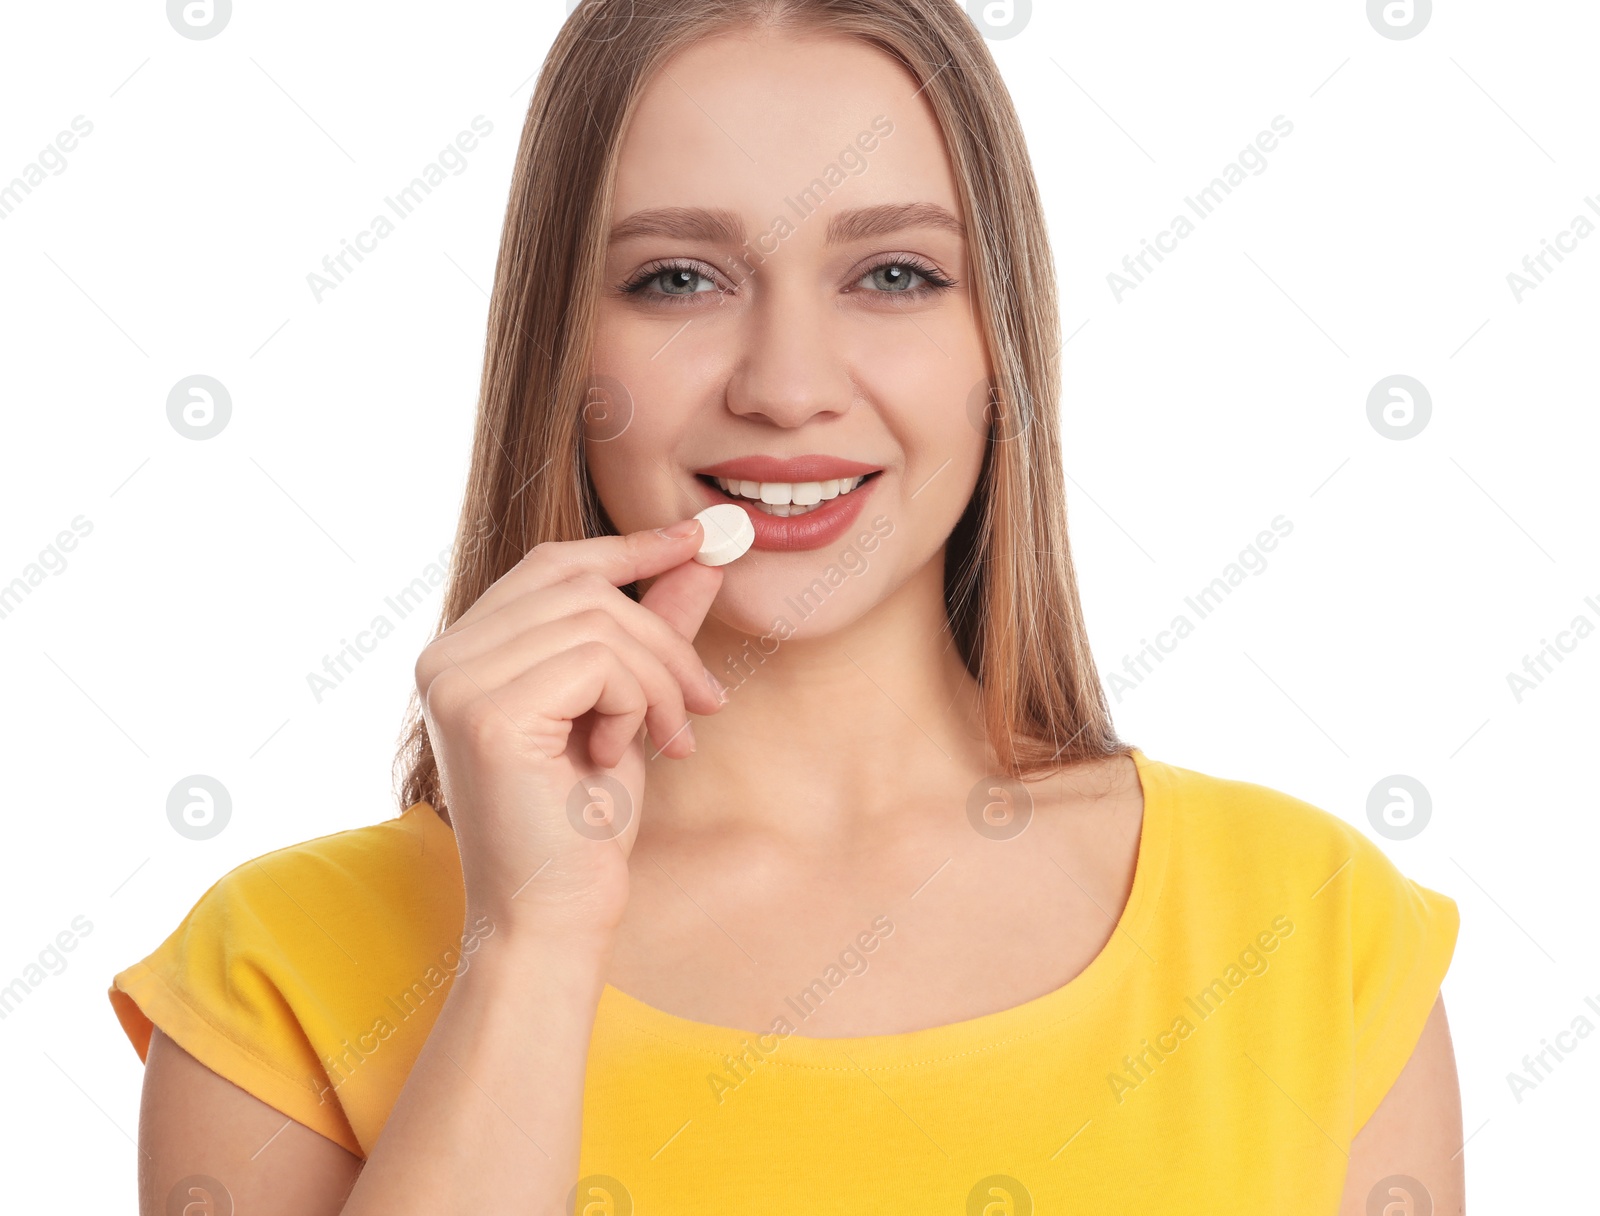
x=746, y=123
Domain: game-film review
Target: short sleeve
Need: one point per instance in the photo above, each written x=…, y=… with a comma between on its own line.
x=221, y=988
x=1402, y=937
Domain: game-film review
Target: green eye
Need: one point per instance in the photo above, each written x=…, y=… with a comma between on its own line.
x=894, y=277
x=680, y=282
x=904, y=276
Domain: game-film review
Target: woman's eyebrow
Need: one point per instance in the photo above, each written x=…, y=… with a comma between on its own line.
x=714, y=224
x=885, y=218
x=721, y=226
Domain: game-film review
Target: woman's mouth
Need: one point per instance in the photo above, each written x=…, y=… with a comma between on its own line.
x=786, y=499
x=807, y=512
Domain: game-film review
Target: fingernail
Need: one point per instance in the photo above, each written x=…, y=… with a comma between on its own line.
x=677, y=531
x=717, y=687
x=688, y=733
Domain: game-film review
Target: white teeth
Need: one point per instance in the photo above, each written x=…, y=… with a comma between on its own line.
x=785, y=498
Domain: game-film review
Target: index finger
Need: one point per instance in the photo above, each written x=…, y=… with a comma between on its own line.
x=618, y=559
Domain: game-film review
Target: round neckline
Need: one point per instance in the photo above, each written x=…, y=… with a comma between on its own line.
x=982, y=1033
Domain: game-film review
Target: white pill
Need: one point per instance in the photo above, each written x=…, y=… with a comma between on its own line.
x=728, y=534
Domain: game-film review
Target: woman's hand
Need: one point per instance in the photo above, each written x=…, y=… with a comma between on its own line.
x=542, y=684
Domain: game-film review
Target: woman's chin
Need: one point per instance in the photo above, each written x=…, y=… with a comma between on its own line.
x=765, y=610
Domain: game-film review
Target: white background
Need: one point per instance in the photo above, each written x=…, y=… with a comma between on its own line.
x=1227, y=389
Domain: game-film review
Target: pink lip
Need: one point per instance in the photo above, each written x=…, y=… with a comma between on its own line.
x=790, y=469
x=812, y=530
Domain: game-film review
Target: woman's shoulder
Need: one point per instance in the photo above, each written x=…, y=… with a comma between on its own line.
x=291, y=957
x=1242, y=847
x=1253, y=865
x=1237, y=824
x=357, y=897
x=404, y=867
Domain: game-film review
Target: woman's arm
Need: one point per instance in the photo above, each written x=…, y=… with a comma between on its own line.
x=545, y=680
x=193, y=1122
x=491, y=1110
x=490, y=1117
x=1415, y=1132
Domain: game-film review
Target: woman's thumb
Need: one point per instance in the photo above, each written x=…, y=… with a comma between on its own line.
x=682, y=596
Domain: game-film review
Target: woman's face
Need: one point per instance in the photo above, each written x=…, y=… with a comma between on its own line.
x=787, y=307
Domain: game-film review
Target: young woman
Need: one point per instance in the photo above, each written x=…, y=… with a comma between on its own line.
x=819, y=881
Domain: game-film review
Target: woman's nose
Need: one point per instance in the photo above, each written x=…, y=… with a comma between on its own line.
x=792, y=369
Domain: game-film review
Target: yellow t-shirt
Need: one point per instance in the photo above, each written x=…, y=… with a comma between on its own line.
x=1265, y=985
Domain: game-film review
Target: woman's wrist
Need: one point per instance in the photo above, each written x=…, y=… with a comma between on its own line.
x=542, y=947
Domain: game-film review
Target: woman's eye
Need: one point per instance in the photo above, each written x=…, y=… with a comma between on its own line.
x=674, y=281
x=683, y=283
x=902, y=277
x=894, y=277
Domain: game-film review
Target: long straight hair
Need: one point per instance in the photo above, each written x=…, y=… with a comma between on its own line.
x=1010, y=593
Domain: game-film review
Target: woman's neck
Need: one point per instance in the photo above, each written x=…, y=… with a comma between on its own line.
x=820, y=731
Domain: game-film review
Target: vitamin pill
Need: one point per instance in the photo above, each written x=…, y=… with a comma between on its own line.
x=728, y=534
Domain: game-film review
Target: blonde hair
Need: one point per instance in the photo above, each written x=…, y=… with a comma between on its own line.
x=1010, y=593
